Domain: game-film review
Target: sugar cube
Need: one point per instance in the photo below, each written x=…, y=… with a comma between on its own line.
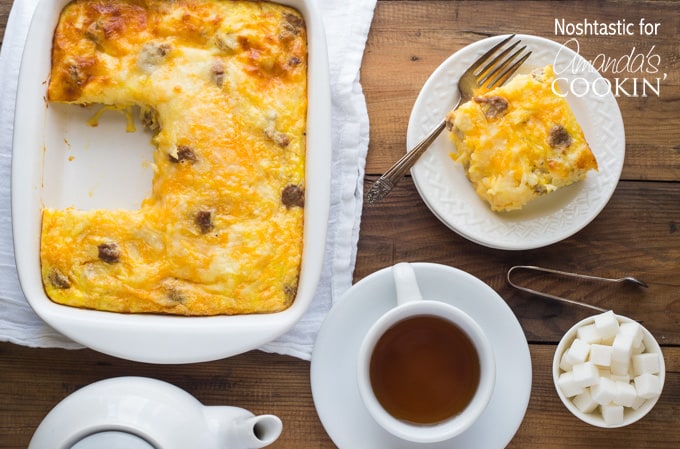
x=604, y=371
x=639, y=349
x=625, y=394
x=584, y=402
x=634, y=330
x=578, y=351
x=589, y=334
x=567, y=384
x=586, y=374
x=565, y=363
x=619, y=367
x=606, y=324
x=620, y=377
x=639, y=402
x=648, y=385
x=601, y=355
x=646, y=363
x=612, y=414
x=622, y=347
x=604, y=392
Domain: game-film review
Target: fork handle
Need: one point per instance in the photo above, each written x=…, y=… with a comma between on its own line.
x=383, y=186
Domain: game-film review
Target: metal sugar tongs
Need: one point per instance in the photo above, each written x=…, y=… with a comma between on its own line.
x=628, y=279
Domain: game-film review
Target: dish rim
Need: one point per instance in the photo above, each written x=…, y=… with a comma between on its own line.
x=147, y=337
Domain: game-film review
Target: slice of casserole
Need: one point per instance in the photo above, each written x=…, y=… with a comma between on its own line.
x=222, y=86
x=519, y=141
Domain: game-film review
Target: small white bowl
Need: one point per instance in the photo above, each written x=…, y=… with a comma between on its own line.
x=595, y=418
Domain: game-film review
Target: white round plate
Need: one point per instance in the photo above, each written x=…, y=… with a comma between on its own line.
x=334, y=360
x=445, y=189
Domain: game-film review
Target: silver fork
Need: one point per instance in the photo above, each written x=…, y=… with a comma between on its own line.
x=494, y=72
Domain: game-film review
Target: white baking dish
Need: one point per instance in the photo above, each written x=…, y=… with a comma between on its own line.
x=54, y=164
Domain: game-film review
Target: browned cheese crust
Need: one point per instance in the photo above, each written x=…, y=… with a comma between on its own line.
x=222, y=87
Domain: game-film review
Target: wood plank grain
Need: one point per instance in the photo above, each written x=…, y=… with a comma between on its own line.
x=266, y=383
x=5, y=6
x=409, y=39
x=636, y=234
x=256, y=381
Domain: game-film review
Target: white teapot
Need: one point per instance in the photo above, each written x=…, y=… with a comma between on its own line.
x=143, y=413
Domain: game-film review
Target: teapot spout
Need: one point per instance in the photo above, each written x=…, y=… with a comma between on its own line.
x=258, y=431
x=237, y=428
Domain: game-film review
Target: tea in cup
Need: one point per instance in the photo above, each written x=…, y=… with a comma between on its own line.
x=426, y=370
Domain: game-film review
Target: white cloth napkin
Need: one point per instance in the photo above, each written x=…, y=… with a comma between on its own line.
x=347, y=23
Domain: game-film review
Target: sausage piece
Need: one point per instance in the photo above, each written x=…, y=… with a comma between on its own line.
x=203, y=220
x=58, y=279
x=493, y=106
x=290, y=291
x=280, y=139
x=175, y=295
x=109, y=252
x=559, y=137
x=185, y=155
x=152, y=55
x=293, y=196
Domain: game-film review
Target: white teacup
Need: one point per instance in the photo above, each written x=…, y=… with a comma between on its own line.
x=426, y=370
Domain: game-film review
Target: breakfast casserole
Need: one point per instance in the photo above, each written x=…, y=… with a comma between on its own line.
x=221, y=86
x=520, y=141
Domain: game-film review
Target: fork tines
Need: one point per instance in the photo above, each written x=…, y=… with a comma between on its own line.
x=496, y=73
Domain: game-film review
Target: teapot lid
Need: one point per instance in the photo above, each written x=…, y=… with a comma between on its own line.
x=112, y=439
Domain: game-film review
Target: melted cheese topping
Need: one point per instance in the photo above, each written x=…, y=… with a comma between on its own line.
x=222, y=84
x=519, y=141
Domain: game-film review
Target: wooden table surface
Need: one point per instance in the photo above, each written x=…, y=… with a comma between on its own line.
x=637, y=233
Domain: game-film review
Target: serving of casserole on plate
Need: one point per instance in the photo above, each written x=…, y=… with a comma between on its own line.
x=520, y=141
x=171, y=159
x=545, y=220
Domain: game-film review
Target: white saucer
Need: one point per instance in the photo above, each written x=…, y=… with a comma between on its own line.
x=333, y=366
x=445, y=189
